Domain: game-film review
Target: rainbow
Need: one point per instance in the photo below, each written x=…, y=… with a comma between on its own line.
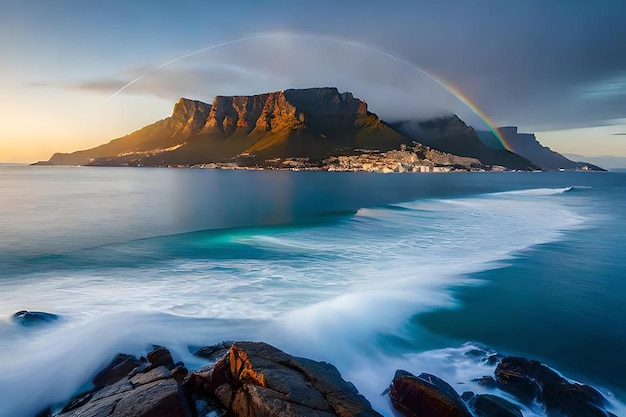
x=465, y=100
x=447, y=86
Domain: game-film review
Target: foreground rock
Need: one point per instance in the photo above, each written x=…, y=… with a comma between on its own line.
x=256, y=379
x=33, y=318
x=528, y=381
x=130, y=387
x=486, y=405
x=251, y=379
x=531, y=380
x=425, y=395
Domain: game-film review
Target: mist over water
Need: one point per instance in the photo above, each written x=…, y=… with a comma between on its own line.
x=332, y=266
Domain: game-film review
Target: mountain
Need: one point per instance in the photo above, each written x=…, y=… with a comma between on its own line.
x=605, y=161
x=450, y=134
x=309, y=123
x=527, y=145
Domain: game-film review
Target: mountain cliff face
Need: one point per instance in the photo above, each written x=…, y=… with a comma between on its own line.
x=293, y=123
x=527, y=145
x=307, y=124
x=450, y=134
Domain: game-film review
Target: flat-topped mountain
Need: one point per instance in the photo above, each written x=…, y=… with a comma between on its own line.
x=308, y=123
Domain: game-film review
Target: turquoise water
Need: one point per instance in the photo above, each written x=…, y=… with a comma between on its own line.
x=370, y=272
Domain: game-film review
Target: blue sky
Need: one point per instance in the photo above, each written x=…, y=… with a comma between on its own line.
x=553, y=67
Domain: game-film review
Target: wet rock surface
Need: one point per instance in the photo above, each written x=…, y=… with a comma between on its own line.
x=425, y=395
x=247, y=379
x=130, y=387
x=527, y=381
x=487, y=405
x=33, y=318
x=531, y=380
x=256, y=379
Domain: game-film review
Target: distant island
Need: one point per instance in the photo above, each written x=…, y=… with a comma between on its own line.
x=306, y=129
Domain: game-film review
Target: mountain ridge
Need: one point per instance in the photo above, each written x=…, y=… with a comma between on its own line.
x=528, y=146
x=283, y=123
x=450, y=134
x=310, y=124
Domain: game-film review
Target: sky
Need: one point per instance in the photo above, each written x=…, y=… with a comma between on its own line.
x=556, y=68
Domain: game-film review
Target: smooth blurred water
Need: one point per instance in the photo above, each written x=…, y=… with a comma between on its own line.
x=370, y=272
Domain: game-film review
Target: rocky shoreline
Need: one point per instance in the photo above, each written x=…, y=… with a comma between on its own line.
x=249, y=379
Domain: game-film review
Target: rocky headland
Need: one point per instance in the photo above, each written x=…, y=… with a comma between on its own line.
x=305, y=129
x=254, y=379
x=527, y=145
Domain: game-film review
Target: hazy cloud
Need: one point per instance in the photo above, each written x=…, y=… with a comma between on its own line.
x=535, y=63
x=103, y=86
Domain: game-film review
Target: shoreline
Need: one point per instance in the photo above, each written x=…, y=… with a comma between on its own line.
x=246, y=379
x=228, y=167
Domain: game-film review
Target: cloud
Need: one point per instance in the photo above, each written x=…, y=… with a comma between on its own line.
x=170, y=83
x=606, y=88
x=394, y=89
x=536, y=64
x=619, y=134
x=104, y=86
x=523, y=62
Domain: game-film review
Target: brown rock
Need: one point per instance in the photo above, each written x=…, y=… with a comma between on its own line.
x=161, y=357
x=119, y=367
x=425, y=396
x=256, y=379
x=214, y=352
x=179, y=373
x=516, y=375
x=163, y=398
x=155, y=374
x=147, y=391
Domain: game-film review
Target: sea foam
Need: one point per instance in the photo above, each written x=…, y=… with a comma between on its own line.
x=333, y=291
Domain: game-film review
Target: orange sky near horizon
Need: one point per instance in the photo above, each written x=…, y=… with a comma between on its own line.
x=25, y=141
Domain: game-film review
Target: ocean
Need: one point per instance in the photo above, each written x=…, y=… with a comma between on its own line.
x=371, y=272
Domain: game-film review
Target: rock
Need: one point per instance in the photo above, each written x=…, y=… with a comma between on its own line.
x=529, y=379
x=152, y=375
x=256, y=379
x=162, y=398
x=513, y=375
x=467, y=396
x=160, y=356
x=128, y=388
x=33, y=318
x=179, y=373
x=214, y=352
x=486, y=381
x=119, y=367
x=492, y=358
x=78, y=401
x=486, y=405
x=475, y=353
x=486, y=356
x=425, y=395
